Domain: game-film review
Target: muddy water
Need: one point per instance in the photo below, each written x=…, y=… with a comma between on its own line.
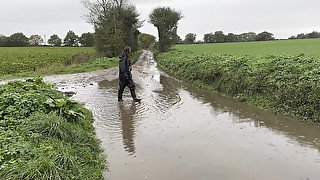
x=181, y=132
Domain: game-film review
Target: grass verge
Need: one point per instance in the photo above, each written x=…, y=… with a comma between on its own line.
x=284, y=84
x=45, y=135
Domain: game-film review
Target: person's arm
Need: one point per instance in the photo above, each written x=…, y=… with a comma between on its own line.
x=130, y=65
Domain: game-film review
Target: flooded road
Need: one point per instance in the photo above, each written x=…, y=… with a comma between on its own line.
x=181, y=132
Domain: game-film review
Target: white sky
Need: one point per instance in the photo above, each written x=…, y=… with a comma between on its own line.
x=281, y=17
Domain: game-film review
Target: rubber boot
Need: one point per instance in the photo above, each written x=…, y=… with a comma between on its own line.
x=134, y=97
x=120, y=96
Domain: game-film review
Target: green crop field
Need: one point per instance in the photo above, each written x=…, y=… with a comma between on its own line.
x=291, y=47
x=22, y=59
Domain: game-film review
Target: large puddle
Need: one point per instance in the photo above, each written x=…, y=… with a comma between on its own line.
x=181, y=132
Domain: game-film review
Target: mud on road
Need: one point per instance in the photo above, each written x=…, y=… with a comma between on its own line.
x=181, y=132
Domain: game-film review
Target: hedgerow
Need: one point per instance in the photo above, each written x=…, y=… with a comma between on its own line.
x=285, y=84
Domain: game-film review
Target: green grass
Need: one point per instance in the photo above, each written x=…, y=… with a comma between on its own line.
x=310, y=47
x=284, y=84
x=44, y=135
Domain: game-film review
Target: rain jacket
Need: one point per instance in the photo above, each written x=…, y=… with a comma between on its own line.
x=124, y=67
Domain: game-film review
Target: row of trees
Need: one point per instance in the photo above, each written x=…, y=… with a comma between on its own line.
x=116, y=25
x=71, y=39
x=220, y=37
x=16, y=39
x=311, y=35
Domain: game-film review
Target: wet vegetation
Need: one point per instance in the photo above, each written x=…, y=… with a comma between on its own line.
x=285, y=84
x=44, y=135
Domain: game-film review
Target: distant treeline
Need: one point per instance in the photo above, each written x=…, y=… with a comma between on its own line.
x=71, y=39
x=220, y=37
x=311, y=35
x=19, y=40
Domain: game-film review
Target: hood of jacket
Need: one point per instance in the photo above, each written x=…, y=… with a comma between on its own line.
x=121, y=56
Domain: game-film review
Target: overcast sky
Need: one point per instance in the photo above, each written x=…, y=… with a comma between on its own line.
x=281, y=17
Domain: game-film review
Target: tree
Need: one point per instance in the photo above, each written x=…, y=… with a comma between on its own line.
x=109, y=41
x=87, y=39
x=35, y=40
x=314, y=34
x=135, y=41
x=301, y=36
x=176, y=39
x=230, y=37
x=71, y=39
x=247, y=37
x=130, y=24
x=292, y=37
x=3, y=40
x=165, y=20
x=218, y=36
x=17, y=39
x=264, y=36
x=190, y=38
x=116, y=24
x=208, y=38
x=146, y=40
x=55, y=40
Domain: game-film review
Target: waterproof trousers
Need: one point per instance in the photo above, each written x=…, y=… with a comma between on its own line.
x=126, y=82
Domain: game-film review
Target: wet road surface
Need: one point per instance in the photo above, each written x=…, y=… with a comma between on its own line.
x=181, y=132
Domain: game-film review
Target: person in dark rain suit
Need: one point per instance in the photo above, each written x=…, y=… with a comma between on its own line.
x=125, y=76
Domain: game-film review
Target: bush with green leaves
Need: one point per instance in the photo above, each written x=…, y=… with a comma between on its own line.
x=285, y=84
x=45, y=135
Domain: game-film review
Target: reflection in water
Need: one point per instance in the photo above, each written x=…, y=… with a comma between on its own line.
x=168, y=96
x=160, y=92
x=127, y=112
x=105, y=84
x=114, y=86
x=126, y=115
x=170, y=90
x=306, y=134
